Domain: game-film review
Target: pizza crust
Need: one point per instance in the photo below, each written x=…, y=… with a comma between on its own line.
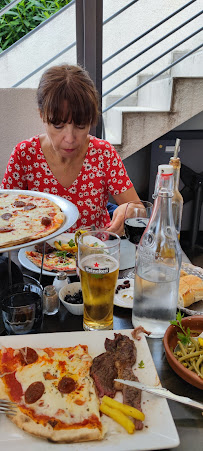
x=50, y=264
x=47, y=432
x=70, y=434
x=25, y=224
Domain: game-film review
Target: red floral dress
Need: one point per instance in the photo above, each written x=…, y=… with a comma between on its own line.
x=102, y=173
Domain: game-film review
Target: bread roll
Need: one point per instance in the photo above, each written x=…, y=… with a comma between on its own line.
x=190, y=290
x=183, y=273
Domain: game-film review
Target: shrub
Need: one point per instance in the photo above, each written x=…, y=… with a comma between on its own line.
x=24, y=17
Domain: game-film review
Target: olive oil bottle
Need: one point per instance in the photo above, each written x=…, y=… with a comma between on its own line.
x=177, y=200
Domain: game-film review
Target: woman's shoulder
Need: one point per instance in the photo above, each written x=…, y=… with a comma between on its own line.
x=30, y=143
x=101, y=144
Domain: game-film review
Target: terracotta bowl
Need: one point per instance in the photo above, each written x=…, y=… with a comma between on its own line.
x=170, y=341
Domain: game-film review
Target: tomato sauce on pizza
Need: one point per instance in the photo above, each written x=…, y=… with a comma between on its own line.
x=24, y=218
x=54, y=392
x=52, y=261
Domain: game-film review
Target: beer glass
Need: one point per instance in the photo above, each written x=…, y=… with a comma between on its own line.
x=98, y=261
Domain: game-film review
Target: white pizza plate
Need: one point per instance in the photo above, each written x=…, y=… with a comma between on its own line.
x=159, y=430
x=68, y=208
x=197, y=307
x=64, y=238
x=124, y=297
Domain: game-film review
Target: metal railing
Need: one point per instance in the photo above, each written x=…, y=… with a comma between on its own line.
x=155, y=59
x=7, y=8
x=125, y=47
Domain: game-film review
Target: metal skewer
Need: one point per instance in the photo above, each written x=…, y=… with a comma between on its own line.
x=9, y=270
x=40, y=277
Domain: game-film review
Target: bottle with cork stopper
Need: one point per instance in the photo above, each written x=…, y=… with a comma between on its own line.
x=177, y=200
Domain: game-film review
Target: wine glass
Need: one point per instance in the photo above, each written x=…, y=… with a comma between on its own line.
x=136, y=218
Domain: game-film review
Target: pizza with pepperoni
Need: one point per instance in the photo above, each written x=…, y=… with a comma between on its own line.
x=53, y=391
x=25, y=218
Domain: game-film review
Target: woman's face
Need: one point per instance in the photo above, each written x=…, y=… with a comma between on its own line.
x=68, y=139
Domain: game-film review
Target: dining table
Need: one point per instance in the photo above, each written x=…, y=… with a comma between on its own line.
x=188, y=420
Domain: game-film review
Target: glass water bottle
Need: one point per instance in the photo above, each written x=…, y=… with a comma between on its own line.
x=158, y=262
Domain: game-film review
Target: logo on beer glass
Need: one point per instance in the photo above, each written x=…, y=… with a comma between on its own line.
x=96, y=270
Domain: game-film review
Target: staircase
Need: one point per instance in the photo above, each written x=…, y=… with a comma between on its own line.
x=167, y=101
x=161, y=106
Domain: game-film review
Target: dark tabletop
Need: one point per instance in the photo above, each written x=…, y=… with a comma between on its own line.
x=188, y=420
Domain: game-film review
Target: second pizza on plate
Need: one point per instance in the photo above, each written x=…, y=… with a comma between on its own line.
x=58, y=257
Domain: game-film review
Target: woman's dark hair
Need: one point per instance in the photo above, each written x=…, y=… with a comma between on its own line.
x=67, y=93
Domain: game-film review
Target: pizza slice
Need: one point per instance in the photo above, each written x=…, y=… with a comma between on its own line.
x=53, y=261
x=54, y=392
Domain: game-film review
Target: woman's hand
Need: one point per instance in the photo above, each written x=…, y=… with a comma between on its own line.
x=117, y=222
x=122, y=199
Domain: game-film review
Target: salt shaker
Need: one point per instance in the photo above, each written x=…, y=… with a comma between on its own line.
x=50, y=300
x=60, y=281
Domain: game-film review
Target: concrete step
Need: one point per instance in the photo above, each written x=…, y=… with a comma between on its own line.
x=133, y=128
x=156, y=94
x=189, y=67
x=158, y=97
x=113, y=121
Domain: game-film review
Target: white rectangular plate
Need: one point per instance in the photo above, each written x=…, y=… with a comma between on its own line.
x=159, y=430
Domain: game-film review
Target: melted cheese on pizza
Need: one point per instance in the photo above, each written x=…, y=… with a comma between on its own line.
x=52, y=262
x=25, y=217
x=68, y=394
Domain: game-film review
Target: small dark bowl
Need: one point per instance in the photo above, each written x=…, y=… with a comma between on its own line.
x=170, y=341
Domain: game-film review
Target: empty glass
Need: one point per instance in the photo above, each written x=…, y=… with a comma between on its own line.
x=22, y=310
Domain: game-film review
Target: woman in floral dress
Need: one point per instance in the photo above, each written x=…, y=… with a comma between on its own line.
x=66, y=160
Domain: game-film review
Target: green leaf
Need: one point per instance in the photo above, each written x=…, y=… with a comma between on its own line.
x=27, y=23
x=38, y=4
x=11, y=13
x=173, y=323
x=183, y=336
x=61, y=254
x=71, y=243
x=141, y=364
x=179, y=317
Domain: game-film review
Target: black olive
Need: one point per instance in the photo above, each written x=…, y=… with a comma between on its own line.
x=76, y=298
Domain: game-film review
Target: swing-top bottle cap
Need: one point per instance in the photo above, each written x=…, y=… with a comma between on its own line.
x=165, y=169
